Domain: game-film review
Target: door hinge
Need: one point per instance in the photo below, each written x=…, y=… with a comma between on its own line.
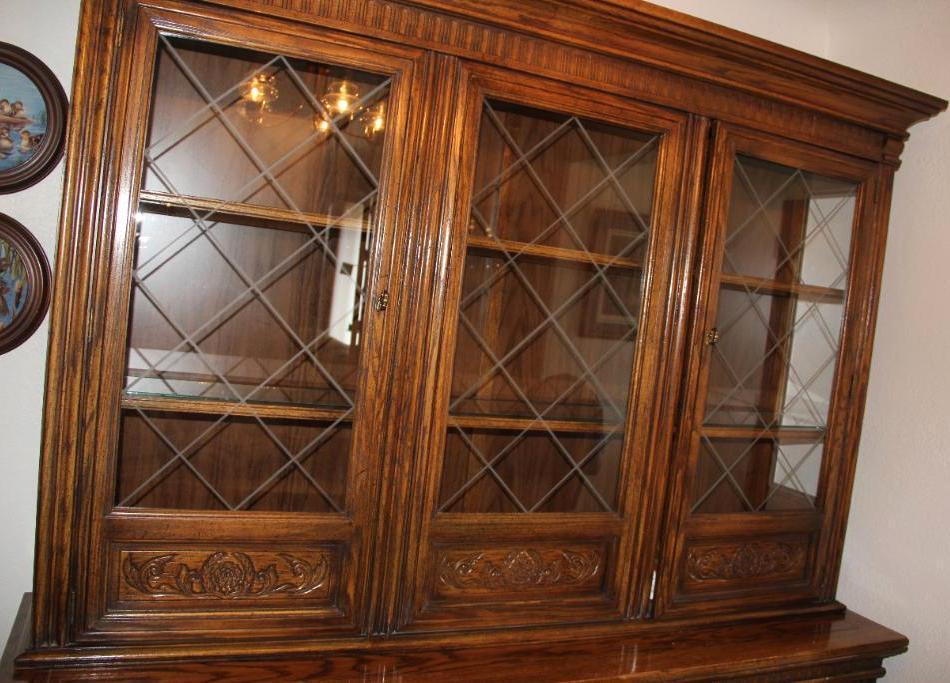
x=653, y=586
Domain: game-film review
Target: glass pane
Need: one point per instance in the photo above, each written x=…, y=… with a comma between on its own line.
x=548, y=314
x=778, y=327
x=252, y=253
x=263, y=129
x=529, y=472
x=774, y=364
x=545, y=338
x=246, y=312
x=785, y=269
x=755, y=475
x=788, y=225
x=173, y=460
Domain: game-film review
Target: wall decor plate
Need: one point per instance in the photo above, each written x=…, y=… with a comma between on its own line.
x=24, y=284
x=32, y=119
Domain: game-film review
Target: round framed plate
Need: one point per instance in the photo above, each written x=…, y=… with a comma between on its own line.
x=32, y=119
x=24, y=284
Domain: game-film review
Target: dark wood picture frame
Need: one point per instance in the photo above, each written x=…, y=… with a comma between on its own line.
x=36, y=275
x=53, y=140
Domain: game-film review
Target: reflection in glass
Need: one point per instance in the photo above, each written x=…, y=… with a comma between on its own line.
x=251, y=259
x=778, y=323
x=757, y=475
x=548, y=314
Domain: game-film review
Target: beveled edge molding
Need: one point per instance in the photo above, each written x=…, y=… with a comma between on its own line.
x=629, y=34
x=519, y=568
x=755, y=560
x=223, y=574
x=684, y=44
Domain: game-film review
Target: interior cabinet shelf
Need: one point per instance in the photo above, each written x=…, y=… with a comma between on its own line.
x=759, y=285
x=530, y=424
x=514, y=248
x=165, y=404
x=785, y=434
x=216, y=210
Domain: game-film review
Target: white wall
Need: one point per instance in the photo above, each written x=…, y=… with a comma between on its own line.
x=47, y=28
x=897, y=559
x=897, y=554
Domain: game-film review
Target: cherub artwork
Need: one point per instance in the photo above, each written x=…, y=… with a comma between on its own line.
x=23, y=118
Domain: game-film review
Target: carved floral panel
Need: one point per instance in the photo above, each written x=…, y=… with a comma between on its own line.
x=505, y=570
x=756, y=560
x=226, y=575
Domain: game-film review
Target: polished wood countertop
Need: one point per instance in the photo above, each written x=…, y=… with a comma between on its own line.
x=843, y=646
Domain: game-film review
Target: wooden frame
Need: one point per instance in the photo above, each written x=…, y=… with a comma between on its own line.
x=617, y=60
x=49, y=150
x=812, y=528
x=22, y=251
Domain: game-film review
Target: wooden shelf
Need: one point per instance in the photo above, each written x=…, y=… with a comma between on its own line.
x=520, y=423
x=761, y=285
x=161, y=202
x=212, y=407
x=557, y=253
x=784, y=434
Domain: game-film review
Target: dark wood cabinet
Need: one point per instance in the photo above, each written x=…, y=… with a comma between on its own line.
x=416, y=322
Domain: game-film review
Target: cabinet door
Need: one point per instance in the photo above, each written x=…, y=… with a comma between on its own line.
x=559, y=263
x=788, y=261
x=252, y=230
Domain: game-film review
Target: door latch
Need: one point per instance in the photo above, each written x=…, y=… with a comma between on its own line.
x=712, y=337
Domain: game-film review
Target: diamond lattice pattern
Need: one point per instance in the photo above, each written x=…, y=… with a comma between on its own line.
x=248, y=281
x=779, y=317
x=549, y=310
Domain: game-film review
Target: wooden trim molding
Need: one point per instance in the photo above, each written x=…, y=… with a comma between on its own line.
x=705, y=68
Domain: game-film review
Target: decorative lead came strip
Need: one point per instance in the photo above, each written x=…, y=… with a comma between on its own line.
x=225, y=575
x=519, y=569
x=750, y=560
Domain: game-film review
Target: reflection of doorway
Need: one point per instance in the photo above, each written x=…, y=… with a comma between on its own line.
x=348, y=283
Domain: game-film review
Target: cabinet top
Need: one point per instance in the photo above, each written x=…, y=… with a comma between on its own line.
x=676, y=42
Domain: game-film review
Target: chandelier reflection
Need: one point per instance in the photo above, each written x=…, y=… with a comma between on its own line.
x=259, y=96
x=373, y=120
x=339, y=105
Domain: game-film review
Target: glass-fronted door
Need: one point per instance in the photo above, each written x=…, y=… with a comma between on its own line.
x=533, y=462
x=763, y=436
x=246, y=451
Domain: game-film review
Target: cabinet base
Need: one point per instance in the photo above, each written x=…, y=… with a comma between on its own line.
x=838, y=647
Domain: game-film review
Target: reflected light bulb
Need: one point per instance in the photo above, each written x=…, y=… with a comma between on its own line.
x=258, y=96
x=340, y=99
x=374, y=120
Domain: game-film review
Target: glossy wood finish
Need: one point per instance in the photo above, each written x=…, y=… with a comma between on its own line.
x=182, y=575
x=847, y=647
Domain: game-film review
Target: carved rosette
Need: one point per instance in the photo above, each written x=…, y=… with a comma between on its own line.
x=519, y=569
x=747, y=561
x=225, y=575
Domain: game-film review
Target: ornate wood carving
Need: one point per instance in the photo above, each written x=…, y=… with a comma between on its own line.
x=516, y=569
x=745, y=561
x=225, y=575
